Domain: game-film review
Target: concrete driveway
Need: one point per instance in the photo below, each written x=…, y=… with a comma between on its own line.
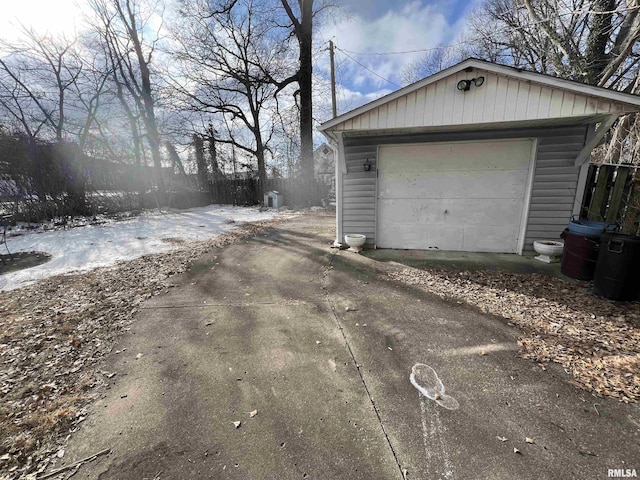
x=322, y=344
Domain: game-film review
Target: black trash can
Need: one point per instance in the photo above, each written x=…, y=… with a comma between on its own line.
x=580, y=255
x=616, y=276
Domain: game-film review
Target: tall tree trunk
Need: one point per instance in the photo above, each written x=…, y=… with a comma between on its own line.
x=213, y=154
x=595, y=56
x=303, y=30
x=198, y=146
x=306, y=89
x=154, y=141
x=149, y=116
x=262, y=169
x=262, y=173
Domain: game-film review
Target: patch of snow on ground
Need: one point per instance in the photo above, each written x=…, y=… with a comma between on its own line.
x=85, y=248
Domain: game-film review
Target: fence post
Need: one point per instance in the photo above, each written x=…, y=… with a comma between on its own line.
x=616, y=195
x=588, y=191
x=600, y=195
x=632, y=211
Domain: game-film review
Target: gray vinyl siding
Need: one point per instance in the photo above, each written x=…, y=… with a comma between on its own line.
x=359, y=191
x=553, y=191
x=554, y=184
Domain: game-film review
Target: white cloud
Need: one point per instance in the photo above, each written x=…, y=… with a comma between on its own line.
x=412, y=26
x=349, y=99
x=44, y=16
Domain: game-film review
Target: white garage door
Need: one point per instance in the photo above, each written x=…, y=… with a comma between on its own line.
x=460, y=196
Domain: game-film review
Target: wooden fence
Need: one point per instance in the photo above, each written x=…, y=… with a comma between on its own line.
x=296, y=192
x=612, y=194
x=234, y=192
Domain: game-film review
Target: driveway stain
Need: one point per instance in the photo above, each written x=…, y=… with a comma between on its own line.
x=426, y=380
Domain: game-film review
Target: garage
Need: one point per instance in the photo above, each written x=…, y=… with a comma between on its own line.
x=459, y=196
x=478, y=157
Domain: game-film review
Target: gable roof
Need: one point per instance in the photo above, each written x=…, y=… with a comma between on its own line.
x=508, y=94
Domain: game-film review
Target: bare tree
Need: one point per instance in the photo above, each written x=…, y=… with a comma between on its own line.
x=52, y=88
x=432, y=62
x=229, y=58
x=123, y=26
x=201, y=165
x=15, y=106
x=302, y=28
x=39, y=74
x=591, y=41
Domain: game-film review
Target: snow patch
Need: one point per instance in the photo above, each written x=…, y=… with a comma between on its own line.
x=86, y=248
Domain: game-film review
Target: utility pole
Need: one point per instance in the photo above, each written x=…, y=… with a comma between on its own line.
x=333, y=80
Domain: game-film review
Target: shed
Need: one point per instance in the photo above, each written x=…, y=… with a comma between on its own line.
x=479, y=157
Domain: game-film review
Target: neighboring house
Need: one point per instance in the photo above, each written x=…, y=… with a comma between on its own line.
x=324, y=165
x=478, y=157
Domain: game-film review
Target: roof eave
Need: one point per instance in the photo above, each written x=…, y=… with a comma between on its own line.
x=520, y=124
x=632, y=101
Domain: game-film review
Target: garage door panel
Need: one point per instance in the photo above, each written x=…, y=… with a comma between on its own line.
x=450, y=211
x=458, y=156
x=412, y=236
x=451, y=237
x=504, y=183
x=464, y=196
x=491, y=239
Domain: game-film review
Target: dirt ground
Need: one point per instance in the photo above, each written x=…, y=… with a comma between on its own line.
x=55, y=336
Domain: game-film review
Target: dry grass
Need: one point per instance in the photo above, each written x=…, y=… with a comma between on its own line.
x=53, y=336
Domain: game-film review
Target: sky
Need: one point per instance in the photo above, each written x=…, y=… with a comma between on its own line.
x=58, y=16
x=369, y=30
x=364, y=32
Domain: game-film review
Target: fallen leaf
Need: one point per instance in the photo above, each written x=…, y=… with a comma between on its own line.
x=558, y=319
x=237, y=424
x=253, y=413
x=96, y=307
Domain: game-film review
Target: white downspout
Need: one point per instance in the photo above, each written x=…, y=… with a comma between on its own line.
x=341, y=167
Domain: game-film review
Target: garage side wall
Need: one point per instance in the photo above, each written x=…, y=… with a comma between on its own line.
x=555, y=183
x=552, y=196
x=359, y=191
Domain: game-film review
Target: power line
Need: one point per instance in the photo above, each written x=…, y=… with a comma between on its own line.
x=504, y=29
x=367, y=68
x=406, y=51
